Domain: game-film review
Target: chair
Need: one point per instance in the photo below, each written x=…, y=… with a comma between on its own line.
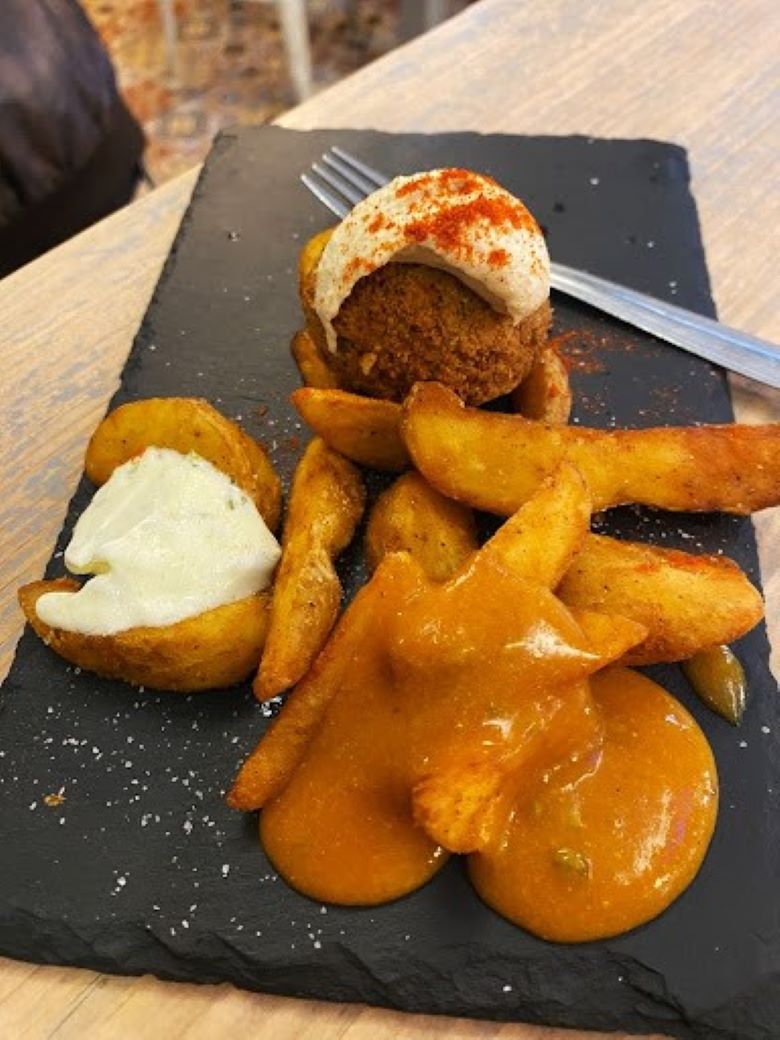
x=295, y=32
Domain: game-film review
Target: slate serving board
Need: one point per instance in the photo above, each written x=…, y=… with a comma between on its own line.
x=142, y=869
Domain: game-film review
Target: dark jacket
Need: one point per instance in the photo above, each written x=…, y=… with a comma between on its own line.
x=69, y=148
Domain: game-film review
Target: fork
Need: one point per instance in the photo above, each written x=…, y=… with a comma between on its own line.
x=342, y=180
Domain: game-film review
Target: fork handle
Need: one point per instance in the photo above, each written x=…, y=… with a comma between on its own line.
x=709, y=339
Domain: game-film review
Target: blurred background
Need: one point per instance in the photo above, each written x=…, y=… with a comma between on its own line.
x=187, y=68
x=101, y=100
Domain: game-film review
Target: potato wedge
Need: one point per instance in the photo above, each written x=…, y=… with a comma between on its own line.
x=212, y=650
x=454, y=797
x=314, y=371
x=543, y=537
x=185, y=424
x=411, y=516
x=496, y=462
x=688, y=603
x=363, y=429
x=269, y=767
x=545, y=393
x=308, y=262
x=455, y=804
x=326, y=503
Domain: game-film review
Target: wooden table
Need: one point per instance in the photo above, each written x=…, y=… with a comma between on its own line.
x=700, y=72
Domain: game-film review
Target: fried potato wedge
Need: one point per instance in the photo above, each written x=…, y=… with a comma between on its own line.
x=545, y=393
x=269, y=767
x=208, y=652
x=412, y=517
x=326, y=504
x=455, y=804
x=308, y=262
x=543, y=537
x=363, y=429
x=311, y=251
x=688, y=603
x=185, y=424
x=496, y=462
x=312, y=366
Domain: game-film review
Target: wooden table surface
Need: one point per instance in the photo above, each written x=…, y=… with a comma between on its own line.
x=701, y=73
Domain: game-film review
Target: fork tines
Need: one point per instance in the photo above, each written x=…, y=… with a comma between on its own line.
x=342, y=181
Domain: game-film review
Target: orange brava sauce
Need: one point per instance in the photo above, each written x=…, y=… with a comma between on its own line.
x=465, y=721
x=584, y=854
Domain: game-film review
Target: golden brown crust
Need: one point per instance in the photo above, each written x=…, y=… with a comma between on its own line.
x=186, y=424
x=406, y=323
x=545, y=394
x=208, y=652
x=325, y=506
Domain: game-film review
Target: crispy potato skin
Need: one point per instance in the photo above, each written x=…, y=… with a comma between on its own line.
x=688, y=603
x=207, y=652
x=268, y=769
x=311, y=364
x=412, y=517
x=308, y=262
x=363, y=429
x=496, y=462
x=406, y=322
x=545, y=393
x=185, y=424
x=326, y=503
x=542, y=538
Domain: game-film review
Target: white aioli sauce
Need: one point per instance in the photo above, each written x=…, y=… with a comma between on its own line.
x=168, y=536
x=503, y=260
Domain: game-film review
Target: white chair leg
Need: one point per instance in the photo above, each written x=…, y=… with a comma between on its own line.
x=170, y=34
x=295, y=29
x=435, y=11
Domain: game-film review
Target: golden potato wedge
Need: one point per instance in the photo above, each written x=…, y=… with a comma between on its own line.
x=311, y=364
x=185, y=424
x=455, y=795
x=496, y=462
x=454, y=800
x=363, y=429
x=611, y=636
x=309, y=256
x=212, y=650
x=688, y=603
x=308, y=262
x=326, y=503
x=545, y=393
x=412, y=517
x=269, y=767
x=543, y=537
x=539, y=542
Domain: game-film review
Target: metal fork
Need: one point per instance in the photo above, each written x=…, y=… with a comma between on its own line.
x=342, y=180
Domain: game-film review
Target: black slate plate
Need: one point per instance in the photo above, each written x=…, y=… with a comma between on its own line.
x=142, y=868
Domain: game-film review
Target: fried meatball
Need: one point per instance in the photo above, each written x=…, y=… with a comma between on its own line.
x=409, y=322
